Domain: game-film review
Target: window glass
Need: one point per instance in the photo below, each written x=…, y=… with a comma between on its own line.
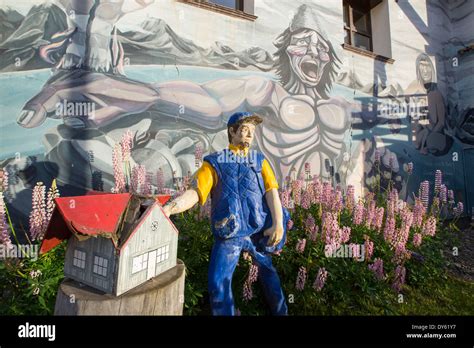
x=361, y=41
x=227, y=3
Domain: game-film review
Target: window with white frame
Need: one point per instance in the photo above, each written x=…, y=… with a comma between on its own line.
x=140, y=263
x=100, y=266
x=79, y=259
x=163, y=253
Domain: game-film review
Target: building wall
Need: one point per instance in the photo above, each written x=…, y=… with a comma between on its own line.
x=176, y=72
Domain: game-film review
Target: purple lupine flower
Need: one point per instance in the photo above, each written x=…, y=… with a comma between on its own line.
x=117, y=163
x=358, y=215
x=438, y=180
x=443, y=194
x=38, y=212
x=429, y=227
x=350, y=198
x=301, y=279
x=369, y=247
x=306, y=199
x=451, y=196
x=399, y=280
x=417, y=239
x=418, y=213
x=205, y=210
x=309, y=224
x=300, y=245
x=337, y=201
x=379, y=218
x=389, y=229
x=370, y=214
x=320, y=279
x=4, y=232
x=377, y=268
x=459, y=209
x=410, y=168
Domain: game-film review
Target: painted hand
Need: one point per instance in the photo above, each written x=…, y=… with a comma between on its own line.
x=275, y=234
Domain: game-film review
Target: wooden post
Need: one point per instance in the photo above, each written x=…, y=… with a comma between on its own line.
x=162, y=295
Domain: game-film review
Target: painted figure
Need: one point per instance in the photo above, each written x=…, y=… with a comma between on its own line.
x=246, y=214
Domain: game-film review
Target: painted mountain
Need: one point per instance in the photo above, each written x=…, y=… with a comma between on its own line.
x=10, y=20
x=154, y=43
x=20, y=50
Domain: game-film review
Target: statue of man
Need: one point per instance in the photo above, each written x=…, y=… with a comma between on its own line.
x=246, y=214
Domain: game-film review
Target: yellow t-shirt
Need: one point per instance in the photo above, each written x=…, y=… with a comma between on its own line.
x=206, y=177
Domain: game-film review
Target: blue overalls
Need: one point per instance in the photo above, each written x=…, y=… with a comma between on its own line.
x=239, y=215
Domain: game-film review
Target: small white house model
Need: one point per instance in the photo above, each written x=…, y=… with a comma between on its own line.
x=116, y=241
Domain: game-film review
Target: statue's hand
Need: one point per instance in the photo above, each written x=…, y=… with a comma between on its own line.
x=275, y=234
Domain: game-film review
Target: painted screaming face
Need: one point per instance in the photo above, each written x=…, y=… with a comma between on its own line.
x=308, y=54
x=244, y=135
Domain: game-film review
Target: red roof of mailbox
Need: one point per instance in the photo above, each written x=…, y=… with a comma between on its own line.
x=93, y=214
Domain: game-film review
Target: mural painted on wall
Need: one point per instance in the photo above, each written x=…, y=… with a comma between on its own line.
x=313, y=111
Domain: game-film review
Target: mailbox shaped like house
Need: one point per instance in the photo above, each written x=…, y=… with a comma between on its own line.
x=115, y=241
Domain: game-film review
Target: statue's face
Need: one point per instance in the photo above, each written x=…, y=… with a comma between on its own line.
x=308, y=54
x=426, y=72
x=244, y=135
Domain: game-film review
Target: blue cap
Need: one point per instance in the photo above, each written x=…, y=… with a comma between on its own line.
x=239, y=117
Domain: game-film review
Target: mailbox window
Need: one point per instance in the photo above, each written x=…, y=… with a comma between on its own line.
x=140, y=263
x=79, y=259
x=163, y=253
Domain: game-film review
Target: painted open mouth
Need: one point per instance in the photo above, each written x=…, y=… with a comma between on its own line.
x=311, y=69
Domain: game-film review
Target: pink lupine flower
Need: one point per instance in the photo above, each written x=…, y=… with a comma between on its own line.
x=429, y=228
x=377, y=268
x=389, y=229
x=297, y=186
x=350, y=198
x=326, y=194
x=301, y=279
x=418, y=213
x=331, y=231
x=289, y=225
x=247, y=291
x=38, y=212
x=4, y=232
x=118, y=170
x=399, y=280
x=285, y=198
x=50, y=204
x=438, y=180
x=417, y=239
x=337, y=201
x=253, y=273
x=358, y=215
x=370, y=214
x=425, y=193
x=379, y=218
x=410, y=168
x=313, y=235
x=345, y=234
x=320, y=279
x=317, y=191
x=300, y=245
x=126, y=145
x=138, y=178
x=306, y=199
x=369, y=247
